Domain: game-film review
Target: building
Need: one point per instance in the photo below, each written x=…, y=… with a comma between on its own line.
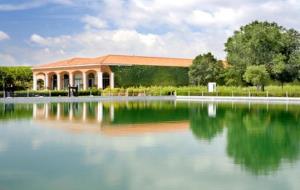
x=93, y=72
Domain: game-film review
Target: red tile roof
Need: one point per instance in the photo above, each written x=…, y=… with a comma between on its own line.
x=119, y=60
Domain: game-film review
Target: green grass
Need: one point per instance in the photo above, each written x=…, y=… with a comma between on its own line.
x=271, y=91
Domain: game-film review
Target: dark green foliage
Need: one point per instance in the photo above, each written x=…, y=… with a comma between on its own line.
x=127, y=76
x=19, y=77
x=257, y=75
x=259, y=139
x=202, y=126
x=15, y=111
x=205, y=68
x=264, y=43
x=140, y=112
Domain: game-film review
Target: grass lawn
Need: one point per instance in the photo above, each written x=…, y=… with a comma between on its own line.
x=271, y=91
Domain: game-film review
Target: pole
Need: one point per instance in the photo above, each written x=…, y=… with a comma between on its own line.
x=3, y=80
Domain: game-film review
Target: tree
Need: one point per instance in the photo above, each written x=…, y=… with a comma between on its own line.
x=20, y=77
x=232, y=77
x=264, y=43
x=205, y=68
x=257, y=75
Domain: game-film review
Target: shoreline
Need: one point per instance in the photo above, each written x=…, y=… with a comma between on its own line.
x=29, y=100
x=210, y=99
x=240, y=99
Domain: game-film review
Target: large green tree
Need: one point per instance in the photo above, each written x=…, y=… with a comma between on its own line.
x=205, y=68
x=264, y=43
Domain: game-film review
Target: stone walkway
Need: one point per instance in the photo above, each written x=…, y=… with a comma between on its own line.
x=280, y=100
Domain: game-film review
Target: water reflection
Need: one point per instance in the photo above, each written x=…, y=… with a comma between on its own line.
x=260, y=138
x=112, y=118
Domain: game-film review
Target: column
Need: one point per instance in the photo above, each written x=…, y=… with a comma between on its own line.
x=58, y=111
x=84, y=111
x=112, y=112
x=71, y=111
x=84, y=80
x=46, y=81
x=112, y=80
x=58, y=81
x=34, y=111
x=71, y=79
x=100, y=80
x=100, y=112
x=46, y=110
x=34, y=82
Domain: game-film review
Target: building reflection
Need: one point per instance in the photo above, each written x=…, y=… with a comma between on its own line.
x=259, y=137
x=101, y=117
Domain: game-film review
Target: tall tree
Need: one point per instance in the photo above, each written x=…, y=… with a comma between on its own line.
x=264, y=43
x=205, y=68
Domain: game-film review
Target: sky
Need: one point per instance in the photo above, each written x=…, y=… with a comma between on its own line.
x=41, y=31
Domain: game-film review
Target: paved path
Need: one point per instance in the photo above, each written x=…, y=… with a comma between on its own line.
x=83, y=99
x=239, y=99
x=236, y=99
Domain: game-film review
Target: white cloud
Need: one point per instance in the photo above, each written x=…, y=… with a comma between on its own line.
x=3, y=36
x=32, y=4
x=120, y=41
x=157, y=27
x=49, y=41
x=94, y=22
x=220, y=18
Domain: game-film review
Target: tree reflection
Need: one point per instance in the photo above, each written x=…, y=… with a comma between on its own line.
x=261, y=140
x=204, y=127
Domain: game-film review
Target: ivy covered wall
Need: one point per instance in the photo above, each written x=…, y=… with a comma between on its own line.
x=137, y=75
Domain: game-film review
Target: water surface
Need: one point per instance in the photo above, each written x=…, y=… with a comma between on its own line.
x=149, y=145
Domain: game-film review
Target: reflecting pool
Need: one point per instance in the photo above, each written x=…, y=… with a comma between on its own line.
x=149, y=145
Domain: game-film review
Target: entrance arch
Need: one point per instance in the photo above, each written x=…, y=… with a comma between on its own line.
x=78, y=79
x=91, y=80
x=106, y=80
x=53, y=81
x=66, y=81
x=40, y=84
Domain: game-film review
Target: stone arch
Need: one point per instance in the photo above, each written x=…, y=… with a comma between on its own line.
x=78, y=79
x=64, y=79
x=40, y=84
x=91, y=79
x=52, y=81
x=40, y=80
x=106, y=80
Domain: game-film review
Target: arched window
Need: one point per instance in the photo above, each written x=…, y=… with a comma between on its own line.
x=40, y=84
x=66, y=81
x=91, y=80
x=78, y=80
x=105, y=80
x=54, y=82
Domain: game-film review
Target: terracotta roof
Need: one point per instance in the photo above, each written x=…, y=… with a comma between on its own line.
x=119, y=60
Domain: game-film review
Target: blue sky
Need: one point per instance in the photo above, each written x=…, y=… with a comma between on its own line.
x=41, y=31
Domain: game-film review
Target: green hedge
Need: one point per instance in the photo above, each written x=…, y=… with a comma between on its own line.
x=126, y=76
x=53, y=93
x=271, y=91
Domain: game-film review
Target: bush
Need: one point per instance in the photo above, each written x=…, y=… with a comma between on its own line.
x=271, y=91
